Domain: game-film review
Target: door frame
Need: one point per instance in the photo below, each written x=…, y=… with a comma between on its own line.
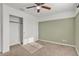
x=21, y=27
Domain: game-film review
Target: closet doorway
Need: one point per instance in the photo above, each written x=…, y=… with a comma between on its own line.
x=16, y=30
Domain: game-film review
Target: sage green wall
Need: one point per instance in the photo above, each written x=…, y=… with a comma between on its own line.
x=61, y=31
x=77, y=32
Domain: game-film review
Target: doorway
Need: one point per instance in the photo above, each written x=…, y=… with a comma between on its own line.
x=16, y=30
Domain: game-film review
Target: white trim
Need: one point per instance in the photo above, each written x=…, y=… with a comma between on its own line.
x=59, y=43
x=77, y=11
x=26, y=41
x=77, y=51
x=59, y=18
x=14, y=44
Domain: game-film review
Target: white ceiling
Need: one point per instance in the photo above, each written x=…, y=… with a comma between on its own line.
x=56, y=8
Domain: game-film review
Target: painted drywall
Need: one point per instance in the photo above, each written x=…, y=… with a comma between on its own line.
x=0, y=23
x=58, y=16
x=0, y=27
x=30, y=26
x=77, y=32
x=60, y=31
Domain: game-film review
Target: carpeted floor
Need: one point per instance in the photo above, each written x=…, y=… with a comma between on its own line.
x=48, y=49
x=32, y=47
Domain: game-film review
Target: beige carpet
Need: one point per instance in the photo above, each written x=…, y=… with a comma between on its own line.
x=48, y=50
x=32, y=47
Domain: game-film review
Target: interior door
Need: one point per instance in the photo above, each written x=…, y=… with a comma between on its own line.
x=14, y=31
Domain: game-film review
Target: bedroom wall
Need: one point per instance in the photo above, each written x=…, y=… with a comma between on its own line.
x=61, y=31
x=30, y=26
x=0, y=23
x=77, y=32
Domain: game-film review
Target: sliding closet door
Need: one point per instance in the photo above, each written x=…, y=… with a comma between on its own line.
x=14, y=30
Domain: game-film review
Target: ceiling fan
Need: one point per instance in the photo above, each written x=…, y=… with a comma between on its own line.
x=77, y=5
x=39, y=6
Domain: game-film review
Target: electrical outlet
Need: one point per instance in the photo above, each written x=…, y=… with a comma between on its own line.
x=64, y=40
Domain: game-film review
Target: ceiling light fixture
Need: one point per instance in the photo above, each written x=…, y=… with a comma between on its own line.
x=38, y=7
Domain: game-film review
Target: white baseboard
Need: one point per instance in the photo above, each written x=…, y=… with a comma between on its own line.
x=77, y=51
x=27, y=41
x=63, y=44
x=58, y=43
x=14, y=44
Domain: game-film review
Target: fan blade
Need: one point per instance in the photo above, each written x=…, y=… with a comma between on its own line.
x=78, y=6
x=30, y=7
x=39, y=4
x=46, y=7
x=38, y=10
